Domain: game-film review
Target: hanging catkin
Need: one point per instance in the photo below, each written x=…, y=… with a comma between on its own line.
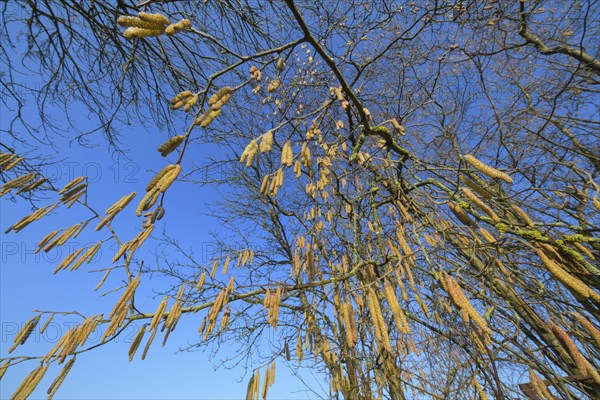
x=486, y=169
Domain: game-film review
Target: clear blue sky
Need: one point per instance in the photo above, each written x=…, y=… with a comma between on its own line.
x=27, y=282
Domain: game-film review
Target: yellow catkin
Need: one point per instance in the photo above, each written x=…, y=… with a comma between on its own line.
x=484, y=207
x=68, y=260
x=280, y=65
x=126, y=296
x=249, y=153
x=351, y=331
x=287, y=155
x=121, y=204
x=299, y=348
x=596, y=202
x=71, y=184
x=273, y=85
x=464, y=304
x=461, y=215
x=158, y=315
x=5, y=159
x=32, y=186
x=55, y=385
x=5, y=366
x=539, y=386
x=225, y=320
x=266, y=381
x=137, y=22
x=522, y=215
x=140, y=33
x=487, y=235
x=12, y=164
x=152, y=184
x=584, y=250
x=148, y=343
x=170, y=145
x=177, y=27
x=255, y=73
x=266, y=142
x=571, y=282
x=157, y=19
x=190, y=102
x=38, y=214
x=589, y=327
x=18, y=182
x=201, y=281
x=305, y=155
x=479, y=389
x=166, y=181
x=22, y=336
x=29, y=384
x=181, y=98
x=486, y=169
x=136, y=342
x=220, y=98
x=207, y=117
x=381, y=332
x=46, y=239
x=399, y=316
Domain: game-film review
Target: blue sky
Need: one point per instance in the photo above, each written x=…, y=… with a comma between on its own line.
x=27, y=282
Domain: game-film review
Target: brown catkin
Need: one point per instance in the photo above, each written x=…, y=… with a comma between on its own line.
x=522, y=215
x=583, y=365
x=299, y=348
x=486, y=169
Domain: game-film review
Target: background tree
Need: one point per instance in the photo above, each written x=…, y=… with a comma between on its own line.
x=417, y=194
